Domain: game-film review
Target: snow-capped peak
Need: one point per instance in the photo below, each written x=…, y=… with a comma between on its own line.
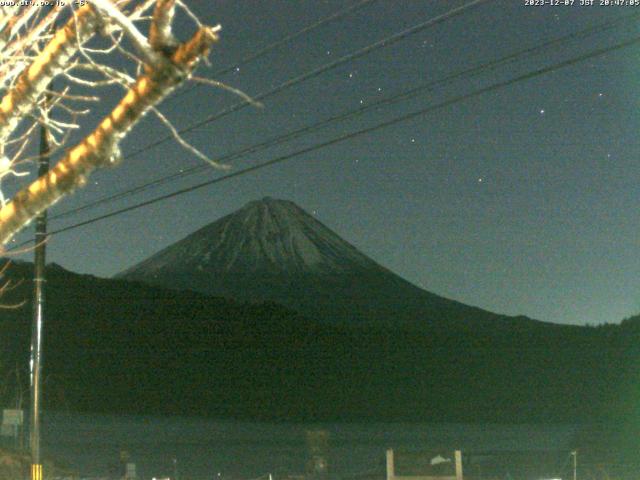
x=267, y=235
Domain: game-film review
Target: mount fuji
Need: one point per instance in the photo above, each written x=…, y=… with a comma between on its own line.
x=272, y=250
x=353, y=340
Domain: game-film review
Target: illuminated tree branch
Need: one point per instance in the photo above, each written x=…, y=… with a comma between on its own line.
x=166, y=64
x=33, y=81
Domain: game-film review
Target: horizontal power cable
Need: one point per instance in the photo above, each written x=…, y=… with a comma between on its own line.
x=407, y=94
x=351, y=135
x=283, y=41
x=385, y=42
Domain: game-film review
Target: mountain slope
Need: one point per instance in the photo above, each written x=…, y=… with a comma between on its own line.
x=126, y=347
x=273, y=250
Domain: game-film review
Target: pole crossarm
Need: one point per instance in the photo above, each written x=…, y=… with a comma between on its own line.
x=100, y=148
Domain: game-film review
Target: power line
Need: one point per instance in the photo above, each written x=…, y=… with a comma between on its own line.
x=348, y=136
x=511, y=58
x=385, y=42
x=284, y=40
x=268, y=48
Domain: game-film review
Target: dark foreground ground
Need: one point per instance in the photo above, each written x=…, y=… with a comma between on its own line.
x=192, y=448
x=202, y=448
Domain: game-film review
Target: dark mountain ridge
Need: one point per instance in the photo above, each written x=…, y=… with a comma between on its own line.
x=126, y=347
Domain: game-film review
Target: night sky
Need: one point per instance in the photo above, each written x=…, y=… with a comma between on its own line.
x=520, y=201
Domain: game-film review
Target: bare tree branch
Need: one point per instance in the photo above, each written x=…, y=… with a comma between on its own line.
x=22, y=98
x=100, y=148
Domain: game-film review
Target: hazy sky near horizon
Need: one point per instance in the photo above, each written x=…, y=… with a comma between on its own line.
x=519, y=201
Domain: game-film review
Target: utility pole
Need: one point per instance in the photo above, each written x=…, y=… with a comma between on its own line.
x=38, y=310
x=575, y=464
